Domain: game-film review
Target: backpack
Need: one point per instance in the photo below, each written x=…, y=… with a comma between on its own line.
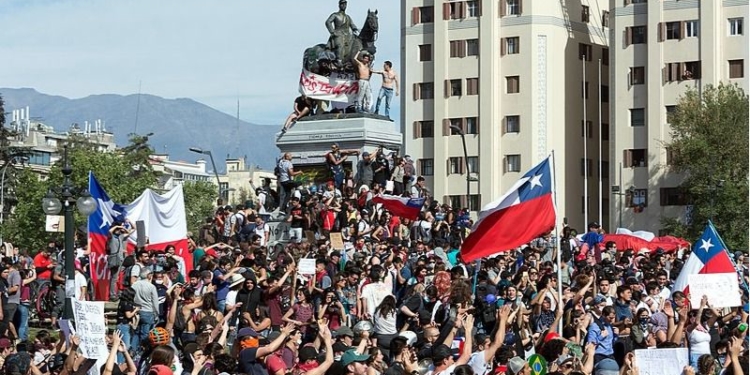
x=127, y=264
x=269, y=204
x=598, y=322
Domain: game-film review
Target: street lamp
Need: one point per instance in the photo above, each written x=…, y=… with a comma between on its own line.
x=466, y=160
x=199, y=150
x=52, y=205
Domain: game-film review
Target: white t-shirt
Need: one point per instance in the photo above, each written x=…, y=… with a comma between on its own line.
x=374, y=294
x=387, y=325
x=231, y=298
x=80, y=282
x=447, y=371
x=478, y=364
x=261, y=231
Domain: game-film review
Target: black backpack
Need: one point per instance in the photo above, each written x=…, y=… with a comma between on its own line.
x=127, y=265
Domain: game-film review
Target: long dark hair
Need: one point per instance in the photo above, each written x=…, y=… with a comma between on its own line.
x=387, y=306
x=162, y=355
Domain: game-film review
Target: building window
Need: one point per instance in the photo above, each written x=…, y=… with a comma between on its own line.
x=509, y=46
x=425, y=52
x=475, y=201
x=422, y=15
x=457, y=48
x=692, y=29
x=604, y=171
x=670, y=112
x=586, y=167
x=426, y=167
x=635, y=35
x=457, y=123
x=424, y=90
x=736, y=68
x=584, y=51
x=455, y=10
x=605, y=18
x=605, y=56
x=586, y=129
x=585, y=90
x=424, y=129
x=605, y=93
x=472, y=8
x=39, y=158
x=472, y=125
x=514, y=7
x=692, y=70
x=634, y=158
x=671, y=155
x=454, y=87
x=605, y=131
x=455, y=165
x=513, y=124
x=472, y=47
x=512, y=84
x=735, y=26
x=673, y=30
x=472, y=164
x=512, y=163
x=637, y=75
x=637, y=117
x=673, y=197
x=456, y=201
x=637, y=198
x=472, y=86
x=585, y=13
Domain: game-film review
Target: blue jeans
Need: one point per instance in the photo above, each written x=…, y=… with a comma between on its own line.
x=146, y=324
x=387, y=93
x=22, y=320
x=127, y=336
x=221, y=305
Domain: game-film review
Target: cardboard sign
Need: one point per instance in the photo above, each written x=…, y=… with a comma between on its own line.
x=722, y=289
x=55, y=224
x=337, y=241
x=306, y=266
x=661, y=361
x=91, y=328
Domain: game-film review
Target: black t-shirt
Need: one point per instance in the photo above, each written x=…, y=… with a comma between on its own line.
x=301, y=103
x=249, y=364
x=381, y=175
x=122, y=308
x=297, y=223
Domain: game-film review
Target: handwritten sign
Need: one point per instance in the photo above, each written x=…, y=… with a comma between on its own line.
x=91, y=328
x=337, y=241
x=722, y=289
x=661, y=361
x=55, y=223
x=307, y=266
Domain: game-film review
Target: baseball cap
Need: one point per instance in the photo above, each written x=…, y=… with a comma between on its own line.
x=598, y=299
x=441, y=352
x=245, y=332
x=307, y=353
x=5, y=343
x=211, y=253
x=339, y=347
x=551, y=336
x=344, y=331
x=366, y=153
x=351, y=355
x=160, y=370
x=607, y=367
x=515, y=365
x=593, y=224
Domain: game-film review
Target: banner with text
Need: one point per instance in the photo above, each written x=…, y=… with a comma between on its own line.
x=722, y=289
x=334, y=88
x=91, y=328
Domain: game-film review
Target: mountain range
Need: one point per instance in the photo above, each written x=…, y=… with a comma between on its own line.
x=176, y=124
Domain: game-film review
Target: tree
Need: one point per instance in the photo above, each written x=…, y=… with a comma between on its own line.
x=709, y=148
x=12, y=158
x=124, y=174
x=199, y=198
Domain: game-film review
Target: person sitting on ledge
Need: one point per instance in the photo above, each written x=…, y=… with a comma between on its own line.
x=302, y=107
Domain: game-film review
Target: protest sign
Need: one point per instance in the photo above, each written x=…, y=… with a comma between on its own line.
x=307, y=266
x=722, y=289
x=337, y=241
x=91, y=328
x=661, y=361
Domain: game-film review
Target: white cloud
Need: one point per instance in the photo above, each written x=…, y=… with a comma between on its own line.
x=211, y=51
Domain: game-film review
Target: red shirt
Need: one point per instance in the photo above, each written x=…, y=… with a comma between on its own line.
x=41, y=262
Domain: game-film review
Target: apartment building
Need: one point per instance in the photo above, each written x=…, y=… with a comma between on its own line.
x=659, y=49
x=513, y=75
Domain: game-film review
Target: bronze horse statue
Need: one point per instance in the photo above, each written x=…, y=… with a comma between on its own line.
x=319, y=59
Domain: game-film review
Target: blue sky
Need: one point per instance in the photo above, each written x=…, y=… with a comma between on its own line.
x=212, y=51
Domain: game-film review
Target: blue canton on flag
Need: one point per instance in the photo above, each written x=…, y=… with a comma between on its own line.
x=538, y=183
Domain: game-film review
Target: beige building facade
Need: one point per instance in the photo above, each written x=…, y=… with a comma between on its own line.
x=510, y=75
x=660, y=48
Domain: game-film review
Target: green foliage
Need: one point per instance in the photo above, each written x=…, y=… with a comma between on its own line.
x=199, y=197
x=123, y=174
x=710, y=148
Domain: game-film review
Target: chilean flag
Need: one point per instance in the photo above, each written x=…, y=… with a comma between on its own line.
x=401, y=206
x=709, y=256
x=525, y=212
x=98, y=227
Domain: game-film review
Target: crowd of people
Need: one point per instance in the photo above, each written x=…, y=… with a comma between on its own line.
x=396, y=299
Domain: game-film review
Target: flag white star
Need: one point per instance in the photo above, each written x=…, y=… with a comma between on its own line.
x=106, y=208
x=706, y=245
x=536, y=181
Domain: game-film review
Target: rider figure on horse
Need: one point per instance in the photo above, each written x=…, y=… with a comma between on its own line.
x=342, y=30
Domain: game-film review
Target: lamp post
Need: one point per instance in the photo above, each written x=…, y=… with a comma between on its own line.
x=198, y=150
x=52, y=205
x=466, y=159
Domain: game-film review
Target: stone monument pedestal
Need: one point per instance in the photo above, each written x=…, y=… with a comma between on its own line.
x=310, y=139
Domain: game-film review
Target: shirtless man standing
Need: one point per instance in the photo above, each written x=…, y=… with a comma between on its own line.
x=364, y=96
x=386, y=89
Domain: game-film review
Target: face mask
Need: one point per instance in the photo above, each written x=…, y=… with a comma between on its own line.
x=299, y=342
x=721, y=358
x=643, y=321
x=160, y=282
x=426, y=299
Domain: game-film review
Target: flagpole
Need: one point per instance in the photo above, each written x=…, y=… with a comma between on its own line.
x=601, y=197
x=557, y=239
x=585, y=148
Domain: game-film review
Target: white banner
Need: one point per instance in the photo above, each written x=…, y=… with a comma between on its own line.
x=661, y=361
x=722, y=289
x=333, y=88
x=91, y=328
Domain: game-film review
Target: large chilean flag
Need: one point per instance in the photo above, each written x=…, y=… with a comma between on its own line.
x=525, y=212
x=401, y=206
x=709, y=256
